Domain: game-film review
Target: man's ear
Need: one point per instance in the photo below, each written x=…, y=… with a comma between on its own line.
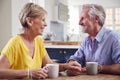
x=96, y=18
x=29, y=21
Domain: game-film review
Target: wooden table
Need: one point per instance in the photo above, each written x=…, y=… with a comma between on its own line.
x=88, y=77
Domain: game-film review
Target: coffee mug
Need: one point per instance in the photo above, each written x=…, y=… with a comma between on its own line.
x=53, y=70
x=92, y=68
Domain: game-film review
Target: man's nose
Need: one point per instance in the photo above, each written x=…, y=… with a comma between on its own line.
x=80, y=22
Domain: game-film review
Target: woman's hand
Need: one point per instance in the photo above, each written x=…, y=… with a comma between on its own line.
x=39, y=73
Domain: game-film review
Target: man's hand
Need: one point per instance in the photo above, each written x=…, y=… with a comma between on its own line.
x=75, y=69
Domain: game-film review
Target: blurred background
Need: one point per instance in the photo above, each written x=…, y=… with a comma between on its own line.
x=62, y=18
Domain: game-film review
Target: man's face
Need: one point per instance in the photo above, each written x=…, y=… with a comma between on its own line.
x=86, y=22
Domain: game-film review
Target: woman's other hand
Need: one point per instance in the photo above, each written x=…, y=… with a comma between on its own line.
x=39, y=73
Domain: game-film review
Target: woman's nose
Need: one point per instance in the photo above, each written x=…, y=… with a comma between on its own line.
x=45, y=24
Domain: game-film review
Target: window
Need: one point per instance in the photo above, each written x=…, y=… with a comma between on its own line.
x=73, y=20
x=39, y=2
x=74, y=29
x=113, y=19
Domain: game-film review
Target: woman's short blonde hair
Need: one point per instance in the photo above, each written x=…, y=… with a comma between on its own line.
x=31, y=10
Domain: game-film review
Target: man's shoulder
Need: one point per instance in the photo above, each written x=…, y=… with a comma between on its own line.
x=111, y=33
x=114, y=34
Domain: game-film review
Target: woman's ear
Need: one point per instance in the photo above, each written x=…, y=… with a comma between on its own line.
x=29, y=21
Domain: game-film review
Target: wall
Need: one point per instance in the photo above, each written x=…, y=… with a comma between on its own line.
x=16, y=7
x=5, y=22
x=57, y=30
x=9, y=22
x=50, y=6
x=105, y=3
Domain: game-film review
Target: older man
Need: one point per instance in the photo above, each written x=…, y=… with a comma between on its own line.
x=102, y=45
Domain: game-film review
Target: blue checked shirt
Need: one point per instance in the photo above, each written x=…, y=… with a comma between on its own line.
x=105, y=49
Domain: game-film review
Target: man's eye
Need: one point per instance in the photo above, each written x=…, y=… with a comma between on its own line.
x=43, y=20
x=81, y=19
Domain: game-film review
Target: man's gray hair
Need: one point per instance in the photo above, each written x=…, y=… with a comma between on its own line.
x=96, y=10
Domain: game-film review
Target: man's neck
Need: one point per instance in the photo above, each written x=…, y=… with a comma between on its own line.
x=94, y=33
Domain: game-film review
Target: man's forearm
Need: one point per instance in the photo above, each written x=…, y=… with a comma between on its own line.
x=111, y=69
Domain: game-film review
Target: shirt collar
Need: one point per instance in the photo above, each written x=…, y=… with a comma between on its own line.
x=99, y=36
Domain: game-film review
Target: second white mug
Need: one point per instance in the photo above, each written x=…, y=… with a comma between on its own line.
x=92, y=68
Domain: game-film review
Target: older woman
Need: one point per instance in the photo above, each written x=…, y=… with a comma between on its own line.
x=25, y=54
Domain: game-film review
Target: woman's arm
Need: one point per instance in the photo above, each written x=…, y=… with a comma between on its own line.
x=12, y=74
x=65, y=66
x=5, y=72
x=46, y=60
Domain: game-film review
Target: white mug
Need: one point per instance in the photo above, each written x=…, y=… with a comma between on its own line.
x=53, y=70
x=92, y=68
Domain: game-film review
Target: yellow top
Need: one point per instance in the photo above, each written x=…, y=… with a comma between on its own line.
x=18, y=53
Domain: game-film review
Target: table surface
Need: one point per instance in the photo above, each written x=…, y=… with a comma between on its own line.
x=88, y=77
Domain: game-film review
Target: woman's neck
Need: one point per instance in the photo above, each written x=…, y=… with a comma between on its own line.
x=28, y=35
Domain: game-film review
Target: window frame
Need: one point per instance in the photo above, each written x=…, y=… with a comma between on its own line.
x=113, y=26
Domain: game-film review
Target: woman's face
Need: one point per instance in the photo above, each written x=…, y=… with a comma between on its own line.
x=38, y=25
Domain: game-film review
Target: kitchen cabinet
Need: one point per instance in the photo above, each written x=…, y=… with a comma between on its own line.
x=60, y=54
x=60, y=12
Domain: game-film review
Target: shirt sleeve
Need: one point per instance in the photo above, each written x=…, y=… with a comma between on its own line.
x=79, y=55
x=8, y=50
x=116, y=50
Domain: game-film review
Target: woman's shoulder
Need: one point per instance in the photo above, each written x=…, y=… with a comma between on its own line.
x=39, y=38
x=11, y=44
x=15, y=38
